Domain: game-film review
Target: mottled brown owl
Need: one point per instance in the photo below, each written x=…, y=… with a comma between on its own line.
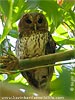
x=35, y=40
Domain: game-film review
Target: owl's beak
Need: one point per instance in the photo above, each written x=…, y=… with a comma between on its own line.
x=35, y=27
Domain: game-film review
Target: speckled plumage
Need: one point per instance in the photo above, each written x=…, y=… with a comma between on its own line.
x=32, y=46
x=35, y=40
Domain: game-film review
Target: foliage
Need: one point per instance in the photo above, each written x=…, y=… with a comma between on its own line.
x=61, y=20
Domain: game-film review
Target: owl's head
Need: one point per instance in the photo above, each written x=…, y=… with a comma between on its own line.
x=33, y=22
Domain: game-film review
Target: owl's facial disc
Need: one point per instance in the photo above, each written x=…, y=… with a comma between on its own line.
x=33, y=22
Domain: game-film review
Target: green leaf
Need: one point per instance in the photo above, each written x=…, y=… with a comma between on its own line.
x=5, y=5
x=7, y=26
x=67, y=41
x=19, y=7
x=33, y=4
x=13, y=33
x=67, y=5
x=61, y=29
x=52, y=28
x=62, y=85
x=53, y=11
x=1, y=78
x=72, y=15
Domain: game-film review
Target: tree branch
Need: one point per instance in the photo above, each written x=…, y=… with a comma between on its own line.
x=46, y=59
x=37, y=62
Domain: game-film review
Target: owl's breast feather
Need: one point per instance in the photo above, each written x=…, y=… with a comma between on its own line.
x=32, y=46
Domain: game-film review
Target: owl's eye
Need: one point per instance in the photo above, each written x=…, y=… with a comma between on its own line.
x=28, y=21
x=40, y=20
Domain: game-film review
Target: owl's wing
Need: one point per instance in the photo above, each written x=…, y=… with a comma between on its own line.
x=49, y=49
x=50, y=45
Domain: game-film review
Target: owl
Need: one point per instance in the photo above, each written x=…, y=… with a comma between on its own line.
x=35, y=40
